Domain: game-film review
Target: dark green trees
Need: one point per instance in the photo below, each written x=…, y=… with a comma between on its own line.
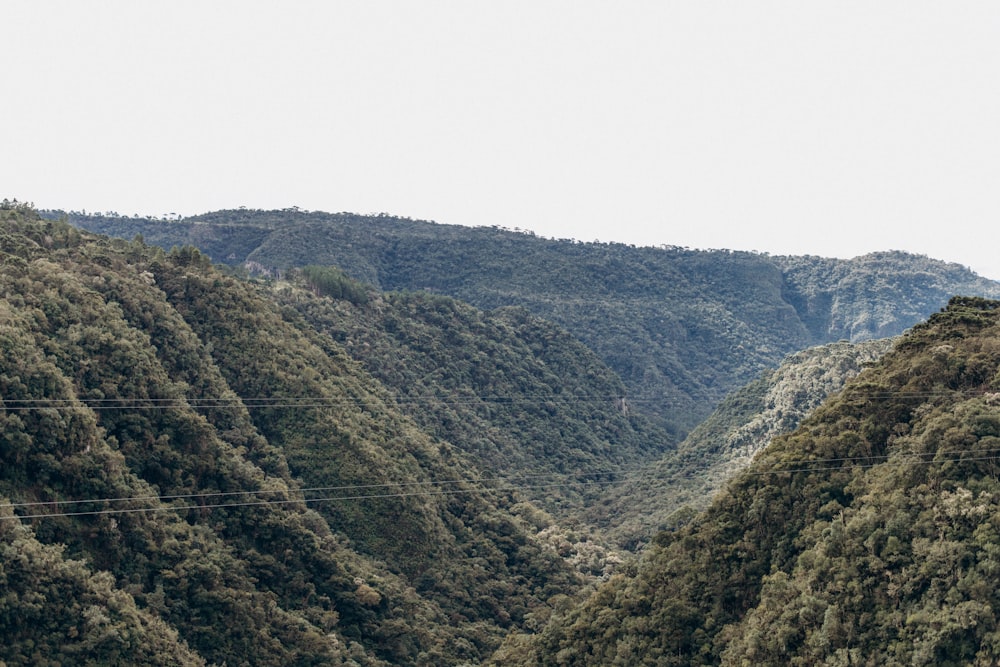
x=682, y=328
x=203, y=478
x=868, y=536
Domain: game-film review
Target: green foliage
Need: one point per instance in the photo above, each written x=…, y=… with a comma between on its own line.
x=347, y=434
x=57, y=611
x=682, y=328
x=524, y=399
x=171, y=421
x=684, y=480
x=332, y=282
x=867, y=536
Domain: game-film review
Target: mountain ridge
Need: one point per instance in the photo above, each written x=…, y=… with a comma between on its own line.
x=178, y=383
x=681, y=327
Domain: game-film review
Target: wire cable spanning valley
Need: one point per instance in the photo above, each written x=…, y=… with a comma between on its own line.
x=239, y=402
x=283, y=501
x=316, y=401
x=642, y=478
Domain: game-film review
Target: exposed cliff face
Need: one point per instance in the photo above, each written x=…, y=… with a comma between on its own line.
x=873, y=296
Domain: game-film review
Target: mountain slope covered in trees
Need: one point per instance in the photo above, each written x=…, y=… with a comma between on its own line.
x=520, y=395
x=517, y=393
x=684, y=480
x=192, y=473
x=681, y=327
x=868, y=536
x=222, y=471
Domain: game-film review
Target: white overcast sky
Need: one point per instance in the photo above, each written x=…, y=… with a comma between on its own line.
x=826, y=128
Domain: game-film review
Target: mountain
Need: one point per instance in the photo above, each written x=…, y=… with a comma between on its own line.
x=191, y=473
x=682, y=328
x=310, y=470
x=521, y=396
x=869, y=535
x=684, y=480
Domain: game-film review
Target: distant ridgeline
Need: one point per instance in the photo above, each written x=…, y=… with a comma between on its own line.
x=681, y=327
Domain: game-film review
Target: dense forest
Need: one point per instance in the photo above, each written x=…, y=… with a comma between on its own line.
x=682, y=328
x=866, y=537
x=681, y=482
x=318, y=454
x=189, y=471
x=519, y=395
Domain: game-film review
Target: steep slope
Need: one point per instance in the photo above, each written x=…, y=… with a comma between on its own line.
x=683, y=481
x=868, y=536
x=873, y=296
x=229, y=485
x=681, y=327
x=66, y=447
x=58, y=611
x=522, y=397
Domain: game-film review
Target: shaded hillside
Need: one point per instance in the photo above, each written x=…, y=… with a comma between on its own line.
x=684, y=481
x=682, y=328
x=868, y=536
x=227, y=485
x=522, y=397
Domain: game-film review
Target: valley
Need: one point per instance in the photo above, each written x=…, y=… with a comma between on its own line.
x=282, y=437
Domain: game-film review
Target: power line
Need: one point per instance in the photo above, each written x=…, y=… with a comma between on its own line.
x=259, y=503
x=119, y=403
x=860, y=462
x=13, y=404
x=314, y=489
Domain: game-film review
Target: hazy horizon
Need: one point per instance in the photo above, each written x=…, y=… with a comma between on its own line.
x=805, y=129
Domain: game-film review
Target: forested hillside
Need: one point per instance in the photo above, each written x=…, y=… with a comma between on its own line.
x=681, y=327
x=683, y=481
x=191, y=473
x=868, y=536
x=198, y=469
x=520, y=395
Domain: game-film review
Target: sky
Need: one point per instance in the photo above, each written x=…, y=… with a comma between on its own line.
x=794, y=127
